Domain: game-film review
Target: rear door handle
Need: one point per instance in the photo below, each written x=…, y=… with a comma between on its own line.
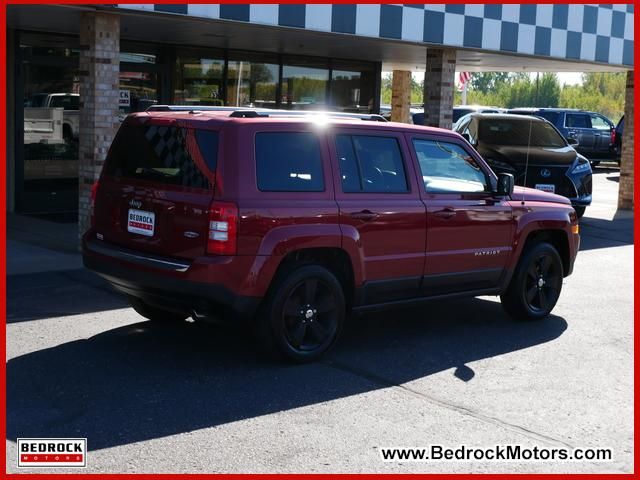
x=445, y=213
x=364, y=215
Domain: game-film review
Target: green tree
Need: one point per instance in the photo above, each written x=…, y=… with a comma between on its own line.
x=600, y=92
x=487, y=81
x=547, y=91
x=417, y=89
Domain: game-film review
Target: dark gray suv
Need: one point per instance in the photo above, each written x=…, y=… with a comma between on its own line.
x=592, y=130
x=533, y=151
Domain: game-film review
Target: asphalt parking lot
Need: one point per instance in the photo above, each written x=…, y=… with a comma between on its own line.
x=198, y=398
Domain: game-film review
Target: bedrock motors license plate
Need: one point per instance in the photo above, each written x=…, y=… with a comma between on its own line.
x=546, y=187
x=141, y=222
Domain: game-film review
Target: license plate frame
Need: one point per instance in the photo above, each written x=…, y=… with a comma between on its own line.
x=546, y=187
x=141, y=222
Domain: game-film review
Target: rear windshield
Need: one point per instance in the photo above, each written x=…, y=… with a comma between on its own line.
x=164, y=154
x=519, y=133
x=68, y=102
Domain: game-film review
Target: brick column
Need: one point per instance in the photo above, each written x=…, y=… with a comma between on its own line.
x=99, y=95
x=400, y=96
x=625, y=191
x=439, y=82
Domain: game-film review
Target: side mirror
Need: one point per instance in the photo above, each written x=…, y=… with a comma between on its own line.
x=572, y=141
x=505, y=185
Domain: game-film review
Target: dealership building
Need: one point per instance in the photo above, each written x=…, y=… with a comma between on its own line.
x=74, y=72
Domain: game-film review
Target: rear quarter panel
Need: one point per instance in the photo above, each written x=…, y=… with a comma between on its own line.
x=273, y=224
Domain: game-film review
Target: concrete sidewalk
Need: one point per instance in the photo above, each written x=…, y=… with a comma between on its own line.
x=35, y=245
x=25, y=258
x=61, y=237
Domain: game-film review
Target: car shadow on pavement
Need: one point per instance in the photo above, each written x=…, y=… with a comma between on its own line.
x=603, y=233
x=146, y=380
x=42, y=295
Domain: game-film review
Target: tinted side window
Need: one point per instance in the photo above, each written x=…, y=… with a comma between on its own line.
x=600, y=123
x=578, y=120
x=551, y=116
x=349, y=168
x=471, y=129
x=447, y=167
x=289, y=162
x=371, y=164
x=459, y=112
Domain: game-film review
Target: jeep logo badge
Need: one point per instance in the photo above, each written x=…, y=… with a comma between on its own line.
x=135, y=203
x=545, y=172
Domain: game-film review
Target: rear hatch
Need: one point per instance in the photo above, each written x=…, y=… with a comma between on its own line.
x=156, y=188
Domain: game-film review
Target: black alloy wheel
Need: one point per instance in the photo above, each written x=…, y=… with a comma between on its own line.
x=542, y=283
x=309, y=315
x=536, y=283
x=303, y=315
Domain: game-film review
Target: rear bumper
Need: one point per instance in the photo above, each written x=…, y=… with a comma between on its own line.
x=164, y=283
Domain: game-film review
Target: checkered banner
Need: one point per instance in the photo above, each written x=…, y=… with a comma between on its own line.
x=594, y=33
x=173, y=151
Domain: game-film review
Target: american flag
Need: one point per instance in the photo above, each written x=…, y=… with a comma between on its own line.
x=463, y=78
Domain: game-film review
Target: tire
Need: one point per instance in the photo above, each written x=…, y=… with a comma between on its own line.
x=154, y=313
x=303, y=314
x=67, y=134
x=526, y=298
x=580, y=211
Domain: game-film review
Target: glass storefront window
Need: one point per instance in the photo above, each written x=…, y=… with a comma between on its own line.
x=138, y=91
x=47, y=163
x=304, y=87
x=345, y=90
x=51, y=101
x=352, y=90
x=252, y=84
x=198, y=80
x=141, y=68
x=140, y=58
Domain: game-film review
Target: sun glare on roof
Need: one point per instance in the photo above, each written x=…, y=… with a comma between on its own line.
x=320, y=119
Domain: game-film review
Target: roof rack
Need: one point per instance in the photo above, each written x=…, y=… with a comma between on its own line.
x=247, y=114
x=188, y=108
x=240, y=112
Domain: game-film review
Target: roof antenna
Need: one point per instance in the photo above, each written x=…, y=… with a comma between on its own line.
x=526, y=163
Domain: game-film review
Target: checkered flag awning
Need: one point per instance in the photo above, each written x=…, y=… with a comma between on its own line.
x=593, y=33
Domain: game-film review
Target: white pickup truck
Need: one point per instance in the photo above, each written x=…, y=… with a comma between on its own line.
x=40, y=117
x=43, y=125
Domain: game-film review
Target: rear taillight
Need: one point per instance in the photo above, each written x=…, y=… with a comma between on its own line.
x=613, y=136
x=223, y=228
x=92, y=204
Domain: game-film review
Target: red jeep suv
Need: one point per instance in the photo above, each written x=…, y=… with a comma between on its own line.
x=293, y=221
